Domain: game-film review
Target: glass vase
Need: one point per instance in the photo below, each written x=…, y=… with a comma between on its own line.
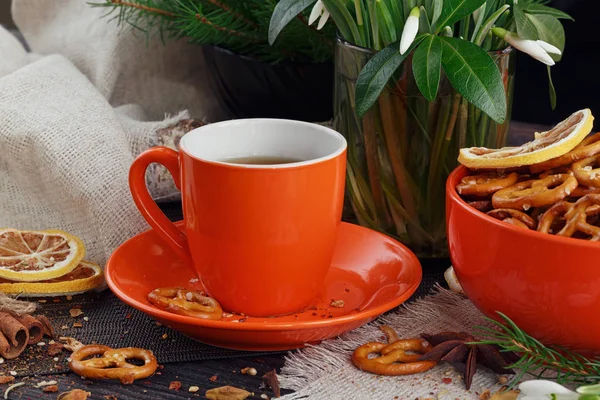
x=403, y=149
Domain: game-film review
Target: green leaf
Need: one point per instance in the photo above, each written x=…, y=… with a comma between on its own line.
x=491, y=6
x=424, y=26
x=525, y=28
x=551, y=89
x=386, y=23
x=550, y=30
x=541, y=9
x=395, y=8
x=437, y=12
x=343, y=21
x=284, y=12
x=475, y=76
x=455, y=10
x=429, y=8
x=479, y=21
x=427, y=65
x=406, y=5
x=375, y=75
x=488, y=24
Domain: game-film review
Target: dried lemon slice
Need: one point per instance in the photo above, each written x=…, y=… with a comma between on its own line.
x=546, y=145
x=85, y=277
x=29, y=256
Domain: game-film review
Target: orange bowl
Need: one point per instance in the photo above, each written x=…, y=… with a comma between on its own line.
x=548, y=285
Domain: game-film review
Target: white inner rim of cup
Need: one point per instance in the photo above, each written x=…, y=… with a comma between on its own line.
x=243, y=138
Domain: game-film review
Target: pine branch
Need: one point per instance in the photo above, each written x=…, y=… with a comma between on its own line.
x=141, y=7
x=224, y=7
x=240, y=26
x=233, y=32
x=539, y=360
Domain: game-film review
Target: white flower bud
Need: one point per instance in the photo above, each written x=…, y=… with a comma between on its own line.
x=411, y=28
x=319, y=12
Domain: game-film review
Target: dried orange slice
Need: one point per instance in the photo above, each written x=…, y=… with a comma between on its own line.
x=28, y=256
x=546, y=145
x=85, y=277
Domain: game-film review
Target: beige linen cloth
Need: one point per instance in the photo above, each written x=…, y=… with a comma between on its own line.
x=74, y=113
x=326, y=371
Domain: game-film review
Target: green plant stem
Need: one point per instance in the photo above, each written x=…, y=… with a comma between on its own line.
x=472, y=137
x=400, y=119
x=440, y=131
x=463, y=115
x=372, y=158
x=484, y=124
x=374, y=23
x=395, y=156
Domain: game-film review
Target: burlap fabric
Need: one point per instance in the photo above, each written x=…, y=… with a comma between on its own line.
x=76, y=110
x=326, y=371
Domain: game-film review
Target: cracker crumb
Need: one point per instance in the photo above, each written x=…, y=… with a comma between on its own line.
x=75, y=312
x=337, y=303
x=50, y=389
x=249, y=371
x=193, y=389
x=164, y=336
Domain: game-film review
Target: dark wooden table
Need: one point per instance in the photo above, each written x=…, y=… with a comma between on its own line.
x=214, y=373
x=203, y=374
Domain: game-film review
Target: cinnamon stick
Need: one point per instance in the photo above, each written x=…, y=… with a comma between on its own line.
x=15, y=335
x=33, y=326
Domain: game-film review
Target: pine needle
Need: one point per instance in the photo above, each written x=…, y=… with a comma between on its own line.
x=236, y=25
x=537, y=359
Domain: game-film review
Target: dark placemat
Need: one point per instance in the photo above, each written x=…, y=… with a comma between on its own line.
x=107, y=320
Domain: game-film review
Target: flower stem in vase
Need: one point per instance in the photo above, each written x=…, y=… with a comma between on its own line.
x=370, y=130
x=395, y=157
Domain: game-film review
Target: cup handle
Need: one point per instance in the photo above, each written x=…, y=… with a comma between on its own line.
x=144, y=202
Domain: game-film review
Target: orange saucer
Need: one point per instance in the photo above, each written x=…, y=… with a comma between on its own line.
x=370, y=272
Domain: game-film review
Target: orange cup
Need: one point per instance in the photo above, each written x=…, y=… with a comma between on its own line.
x=260, y=236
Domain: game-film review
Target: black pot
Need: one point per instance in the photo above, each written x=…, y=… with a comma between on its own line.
x=248, y=88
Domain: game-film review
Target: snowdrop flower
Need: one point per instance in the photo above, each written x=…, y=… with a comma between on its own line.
x=319, y=11
x=537, y=49
x=411, y=28
x=548, y=47
x=544, y=390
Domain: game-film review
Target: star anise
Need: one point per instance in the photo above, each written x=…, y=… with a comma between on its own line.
x=456, y=349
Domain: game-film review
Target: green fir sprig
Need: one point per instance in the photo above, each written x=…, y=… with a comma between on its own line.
x=239, y=26
x=538, y=360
